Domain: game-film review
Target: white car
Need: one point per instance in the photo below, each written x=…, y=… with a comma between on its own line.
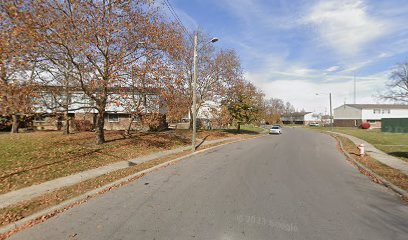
x=314, y=124
x=275, y=130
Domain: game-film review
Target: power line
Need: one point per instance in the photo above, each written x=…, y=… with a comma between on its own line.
x=173, y=12
x=176, y=17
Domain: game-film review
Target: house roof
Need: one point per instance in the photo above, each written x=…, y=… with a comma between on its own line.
x=381, y=106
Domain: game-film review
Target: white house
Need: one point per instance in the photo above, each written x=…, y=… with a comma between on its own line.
x=352, y=115
x=49, y=110
x=206, y=114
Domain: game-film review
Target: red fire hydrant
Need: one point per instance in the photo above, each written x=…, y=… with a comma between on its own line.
x=361, y=148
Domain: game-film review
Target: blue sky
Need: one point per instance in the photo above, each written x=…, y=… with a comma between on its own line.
x=294, y=49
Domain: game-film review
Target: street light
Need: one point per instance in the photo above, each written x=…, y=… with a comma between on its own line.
x=331, y=110
x=214, y=40
x=193, y=138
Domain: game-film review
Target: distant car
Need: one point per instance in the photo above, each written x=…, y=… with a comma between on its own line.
x=314, y=124
x=275, y=130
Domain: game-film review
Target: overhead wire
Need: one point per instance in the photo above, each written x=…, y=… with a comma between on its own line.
x=176, y=17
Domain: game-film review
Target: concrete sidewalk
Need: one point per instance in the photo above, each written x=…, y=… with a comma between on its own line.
x=49, y=186
x=378, y=154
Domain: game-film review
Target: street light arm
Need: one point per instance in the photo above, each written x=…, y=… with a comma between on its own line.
x=213, y=40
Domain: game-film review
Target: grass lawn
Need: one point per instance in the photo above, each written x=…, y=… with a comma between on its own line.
x=246, y=129
x=395, y=144
x=32, y=158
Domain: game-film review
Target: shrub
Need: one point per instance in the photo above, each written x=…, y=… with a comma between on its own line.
x=365, y=125
x=82, y=125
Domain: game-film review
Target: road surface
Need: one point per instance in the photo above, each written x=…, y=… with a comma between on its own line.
x=293, y=186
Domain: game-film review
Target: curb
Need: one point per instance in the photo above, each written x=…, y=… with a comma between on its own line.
x=45, y=214
x=36, y=190
x=366, y=171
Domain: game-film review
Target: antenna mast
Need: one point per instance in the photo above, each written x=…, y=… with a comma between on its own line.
x=354, y=87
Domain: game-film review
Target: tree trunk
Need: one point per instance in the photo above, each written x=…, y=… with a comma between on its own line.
x=238, y=127
x=15, y=123
x=66, y=125
x=100, y=124
x=129, y=128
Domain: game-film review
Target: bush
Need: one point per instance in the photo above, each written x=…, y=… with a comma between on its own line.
x=82, y=125
x=365, y=125
x=5, y=124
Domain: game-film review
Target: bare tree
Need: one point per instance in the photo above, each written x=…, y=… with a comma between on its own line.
x=142, y=97
x=101, y=41
x=205, y=73
x=398, y=84
x=274, y=108
x=216, y=71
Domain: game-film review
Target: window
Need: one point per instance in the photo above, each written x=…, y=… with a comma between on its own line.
x=40, y=118
x=113, y=117
x=386, y=111
x=136, y=119
x=376, y=111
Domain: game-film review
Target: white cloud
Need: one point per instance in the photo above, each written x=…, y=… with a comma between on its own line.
x=346, y=26
x=260, y=13
x=333, y=68
x=286, y=61
x=302, y=94
x=299, y=86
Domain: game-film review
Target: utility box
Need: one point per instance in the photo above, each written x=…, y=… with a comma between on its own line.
x=396, y=125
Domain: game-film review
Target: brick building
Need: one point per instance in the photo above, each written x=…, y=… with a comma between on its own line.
x=352, y=115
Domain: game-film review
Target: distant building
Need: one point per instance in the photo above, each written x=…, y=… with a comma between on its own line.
x=301, y=118
x=325, y=120
x=352, y=115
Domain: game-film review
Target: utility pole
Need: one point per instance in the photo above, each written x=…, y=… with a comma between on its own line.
x=193, y=139
x=331, y=111
x=331, y=108
x=194, y=89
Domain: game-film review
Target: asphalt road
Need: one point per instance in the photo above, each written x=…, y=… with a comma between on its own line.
x=293, y=186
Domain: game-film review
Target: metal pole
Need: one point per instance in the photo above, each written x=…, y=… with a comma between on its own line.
x=193, y=139
x=331, y=111
x=355, y=93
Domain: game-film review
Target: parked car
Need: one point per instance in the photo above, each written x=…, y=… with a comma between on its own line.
x=314, y=124
x=275, y=130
